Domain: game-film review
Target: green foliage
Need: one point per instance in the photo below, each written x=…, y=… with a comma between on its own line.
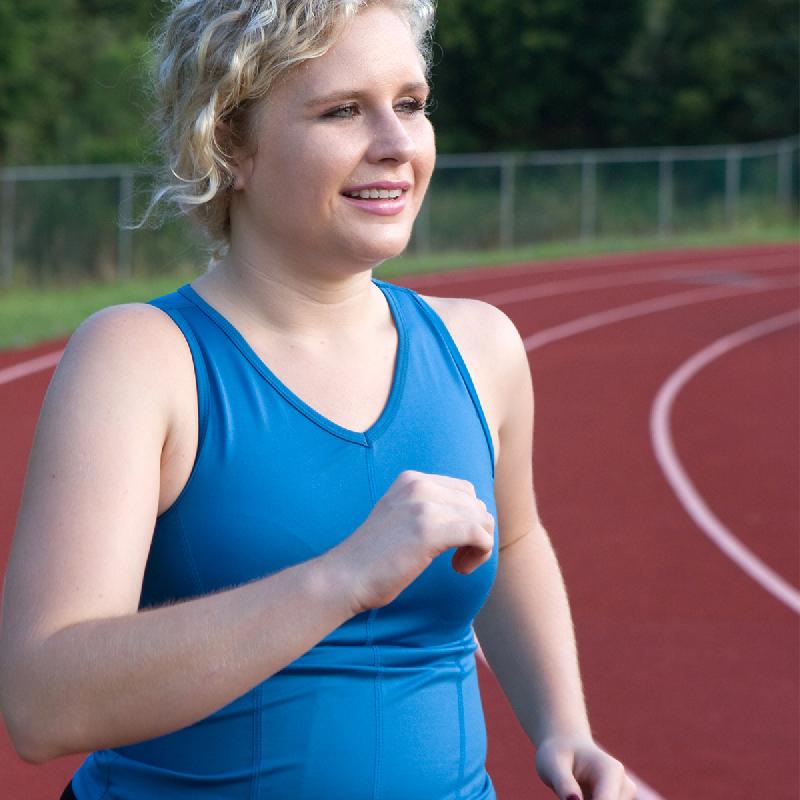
x=524, y=74
x=509, y=75
x=713, y=72
x=73, y=81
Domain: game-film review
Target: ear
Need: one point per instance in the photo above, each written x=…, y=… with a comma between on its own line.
x=240, y=160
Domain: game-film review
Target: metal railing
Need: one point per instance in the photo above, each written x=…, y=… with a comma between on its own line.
x=73, y=221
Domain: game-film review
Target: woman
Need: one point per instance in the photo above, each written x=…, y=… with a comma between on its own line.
x=225, y=583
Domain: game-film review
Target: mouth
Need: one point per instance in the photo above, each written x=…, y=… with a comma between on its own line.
x=380, y=190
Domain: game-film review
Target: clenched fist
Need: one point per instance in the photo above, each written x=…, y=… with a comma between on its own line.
x=420, y=516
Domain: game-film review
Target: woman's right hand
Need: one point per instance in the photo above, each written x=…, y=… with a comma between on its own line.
x=420, y=516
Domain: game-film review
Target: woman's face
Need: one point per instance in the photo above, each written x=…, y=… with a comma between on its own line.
x=348, y=119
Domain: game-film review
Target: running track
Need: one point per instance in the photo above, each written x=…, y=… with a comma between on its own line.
x=667, y=474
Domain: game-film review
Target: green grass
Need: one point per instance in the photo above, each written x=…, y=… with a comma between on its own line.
x=29, y=316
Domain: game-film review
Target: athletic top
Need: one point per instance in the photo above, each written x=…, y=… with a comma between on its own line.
x=387, y=706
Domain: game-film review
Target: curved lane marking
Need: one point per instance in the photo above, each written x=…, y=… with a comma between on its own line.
x=643, y=791
x=526, y=268
x=503, y=297
x=689, y=497
x=646, y=307
x=33, y=365
x=618, y=314
x=634, y=278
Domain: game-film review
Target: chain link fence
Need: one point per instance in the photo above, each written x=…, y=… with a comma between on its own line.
x=67, y=224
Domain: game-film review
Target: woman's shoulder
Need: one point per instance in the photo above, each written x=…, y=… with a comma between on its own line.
x=482, y=327
x=121, y=353
x=492, y=348
x=125, y=334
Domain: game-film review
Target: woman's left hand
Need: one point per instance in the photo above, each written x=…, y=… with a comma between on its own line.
x=577, y=769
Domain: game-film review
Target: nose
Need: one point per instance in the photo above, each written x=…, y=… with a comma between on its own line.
x=391, y=139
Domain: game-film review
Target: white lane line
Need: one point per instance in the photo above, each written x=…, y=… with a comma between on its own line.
x=694, y=504
x=643, y=791
x=33, y=365
x=645, y=307
x=638, y=278
x=525, y=268
x=505, y=297
x=618, y=314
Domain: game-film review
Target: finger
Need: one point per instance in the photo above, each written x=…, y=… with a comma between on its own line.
x=555, y=768
x=459, y=484
x=471, y=513
x=609, y=784
x=469, y=557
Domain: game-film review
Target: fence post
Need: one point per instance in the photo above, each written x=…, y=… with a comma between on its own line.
x=784, y=187
x=7, y=228
x=507, y=175
x=588, y=196
x=665, y=192
x=733, y=180
x=124, y=234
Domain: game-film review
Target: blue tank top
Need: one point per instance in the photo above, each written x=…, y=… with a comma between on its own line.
x=387, y=706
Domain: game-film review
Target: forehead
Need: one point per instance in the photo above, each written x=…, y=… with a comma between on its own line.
x=376, y=49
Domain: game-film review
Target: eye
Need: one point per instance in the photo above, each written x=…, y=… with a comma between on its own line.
x=343, y=112
x=412, y=106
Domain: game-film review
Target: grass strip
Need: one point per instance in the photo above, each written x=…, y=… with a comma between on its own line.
x=32, y=315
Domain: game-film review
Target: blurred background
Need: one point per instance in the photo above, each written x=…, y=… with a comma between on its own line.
x=565, y=126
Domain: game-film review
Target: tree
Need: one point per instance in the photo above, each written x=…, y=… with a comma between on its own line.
x=523, y=74
x=73, y=81
x=712, y=72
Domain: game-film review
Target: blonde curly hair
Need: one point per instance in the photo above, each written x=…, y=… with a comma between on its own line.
x=216, y=59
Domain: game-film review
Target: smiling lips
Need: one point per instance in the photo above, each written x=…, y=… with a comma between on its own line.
x=384, y=198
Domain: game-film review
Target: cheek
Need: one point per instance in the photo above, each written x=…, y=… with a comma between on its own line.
x=305, y=166
x=426, y=155
x=324, y=157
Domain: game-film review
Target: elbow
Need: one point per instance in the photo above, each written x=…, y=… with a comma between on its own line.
x=27, y=739
x=33, y=734
x=29, y=752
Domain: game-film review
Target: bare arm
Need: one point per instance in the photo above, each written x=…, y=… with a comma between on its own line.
x=525, y=627
x=80, y=667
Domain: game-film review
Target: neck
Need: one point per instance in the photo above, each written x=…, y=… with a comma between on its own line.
x=289, y=300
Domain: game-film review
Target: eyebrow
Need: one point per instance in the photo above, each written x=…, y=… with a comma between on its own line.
x=348, y=94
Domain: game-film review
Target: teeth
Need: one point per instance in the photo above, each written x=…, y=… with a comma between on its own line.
x=376, y=194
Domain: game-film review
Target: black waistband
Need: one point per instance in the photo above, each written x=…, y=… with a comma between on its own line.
x=68, y=794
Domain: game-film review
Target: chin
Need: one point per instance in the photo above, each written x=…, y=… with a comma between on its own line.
x=377, y=252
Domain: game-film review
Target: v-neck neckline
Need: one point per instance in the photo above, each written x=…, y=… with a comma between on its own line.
x=398, y=377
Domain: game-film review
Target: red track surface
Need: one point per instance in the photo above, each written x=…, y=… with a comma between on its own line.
x=690, y=666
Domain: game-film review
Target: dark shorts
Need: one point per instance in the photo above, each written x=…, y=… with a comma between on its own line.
x=68, y=794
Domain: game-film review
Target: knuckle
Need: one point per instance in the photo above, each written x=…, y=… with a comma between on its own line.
x=422, y=512
x=416, y=489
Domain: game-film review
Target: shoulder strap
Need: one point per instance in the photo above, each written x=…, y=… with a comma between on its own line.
x=445, y=336
x=198, y=359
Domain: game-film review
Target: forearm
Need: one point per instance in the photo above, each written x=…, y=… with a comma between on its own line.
x=525, y=631
x=110, y=682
